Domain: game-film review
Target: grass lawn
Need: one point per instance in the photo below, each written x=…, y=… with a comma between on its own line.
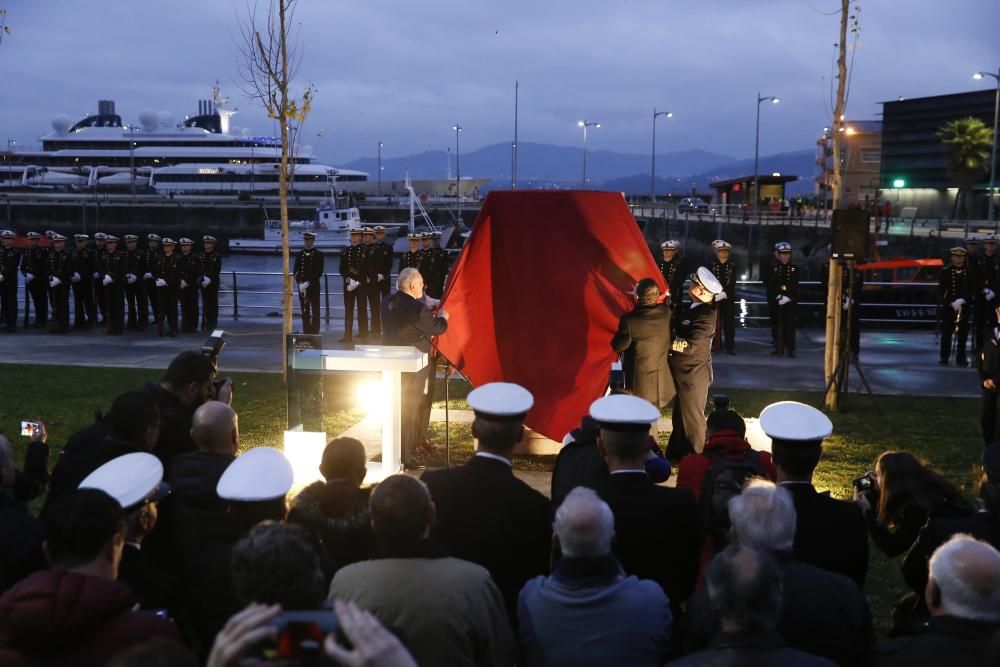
x=943, y=431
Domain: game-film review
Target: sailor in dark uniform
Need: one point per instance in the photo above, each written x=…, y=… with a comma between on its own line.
x=99, y=251
x=135, y=292
x=167, y=280
x=955, y=298
x=383, y=251
x=783, y=298
x=673, y=274
x=308, y=271
x=61, y=274
x=84, y=262
x=411, y=258
x=352, y=270
x=987, y=291
x=691, y=365
x=725, y=271
x=34, y=262
x=370, y=297
x=429, y=267
x=973, y=248
x=211, y=272
x=111, y=267
x=188, y=266
x=10, y=261
x=153, y=256
x=440, y=266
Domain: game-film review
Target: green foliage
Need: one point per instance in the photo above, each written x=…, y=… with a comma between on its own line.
x=969, y=142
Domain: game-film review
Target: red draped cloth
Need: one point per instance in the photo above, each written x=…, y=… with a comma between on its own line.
x=536, y=294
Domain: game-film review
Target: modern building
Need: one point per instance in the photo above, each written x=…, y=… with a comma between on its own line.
x=734, y=190
x=914, y=169
x=861, y=161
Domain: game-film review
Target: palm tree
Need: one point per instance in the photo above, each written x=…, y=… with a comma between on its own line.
x=969, y=143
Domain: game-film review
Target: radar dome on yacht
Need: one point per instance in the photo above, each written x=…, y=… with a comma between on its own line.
x=307, y=150
x=166, y=119
x=62, y=123
x=149, y=120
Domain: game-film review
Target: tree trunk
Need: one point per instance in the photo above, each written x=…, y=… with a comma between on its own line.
x=286, y=278
x=831, y=359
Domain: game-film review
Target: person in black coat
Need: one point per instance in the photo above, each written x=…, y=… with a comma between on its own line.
x=408, y=320
x=21, y=533
x=691, y=365
x=988, y=365
x=643, y=340
x=61, y=272
x=673, y=272
x=378, y=269
x=111, y=267
x=724, y=269
x=782, y=282
x=484, y=513
x=308, y=272
x=166, y=278
x=34, y=265
x=829, y=533
x=10, y=261
x=210, y=270
x=353, y=262
x=84, y=308
x=135, y=292
x=657, y=533
x=955, y=292
x=189, y=267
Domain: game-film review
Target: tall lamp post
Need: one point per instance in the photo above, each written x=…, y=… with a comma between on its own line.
x=585, y=124
x=756, y=150
x=131, y=156
x=996, y=119
x=380, y=168
x=652, y=179
x=10, y=169
x=458, y=173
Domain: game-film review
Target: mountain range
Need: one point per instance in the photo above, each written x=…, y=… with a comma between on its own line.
x=541, y=165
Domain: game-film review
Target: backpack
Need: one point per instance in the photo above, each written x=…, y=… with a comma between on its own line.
x=724, y=479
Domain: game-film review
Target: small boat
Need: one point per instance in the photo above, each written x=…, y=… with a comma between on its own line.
x=332, y=227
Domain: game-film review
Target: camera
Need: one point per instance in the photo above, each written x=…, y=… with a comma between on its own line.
x=212, y=347
x=30, y=429
x=866, y=483
x=300, y=634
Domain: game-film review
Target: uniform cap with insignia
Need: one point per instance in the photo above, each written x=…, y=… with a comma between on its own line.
x=670, y=245
x=972, y=238
x=783, y=246
x=706, y=279
x=791, y=422
x=153, y=237
x=131, y=237
x=100, y=236
x=81, y=237
x=990, y=239
x=367, y=231
x=34, y=235
x=500, y=401
x=414, y=237
x=263, y=473
x=132, y=480
x=49, y=233
x=169, y=241
x=7, y=234
x=110, y=238
x=379, y=228
x=186, y=241
x=208, y=239
x=719, y=244
x=958, y=250
x=308, y=235
x=621, y=412
x=356, y=230
x=436, y=235
x=58, y=237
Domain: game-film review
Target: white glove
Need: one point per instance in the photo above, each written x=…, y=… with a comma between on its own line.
x=184, y=284
x=108, y=280
x=847, y=303
x=147, y=276
x=957, y=304
x=721, y=295
x=76, y=277
x=381, y=277
x=782, y=300
x=160, y=282
x=352, y=284
x=206, y=281
x=28, y=277
x=1, y=278
x=54, y=282
x=990, y=294
x=303, y=286
x=96, y=275
x=131, y=278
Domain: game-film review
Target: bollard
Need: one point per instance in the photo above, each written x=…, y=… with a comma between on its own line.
x=326, y=296
x=236, y=299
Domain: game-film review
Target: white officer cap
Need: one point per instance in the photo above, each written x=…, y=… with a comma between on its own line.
x=621, y=412
x=186, y=241
x=670, y=245
x=49, y=233
x=131, y=237
x=81, y=237
x=34, y=235
x=357, y=230
x=208, y=239
x=379, y=228
x=500, y=401
x=169, y=241
x=131, y=479
x=153, y=237
x=7, y=234
x=958, y=250
x=367, y=231
x=56, y=236
x=110, y=238
x=795, y=422
x=436, y=235
x=992, y=238
x=263, y=473
x=414, y=237
x=100, y=236
x=706, y=279
x=719, y=244
x=972, y=238
x=311, y=235
x=783, y=246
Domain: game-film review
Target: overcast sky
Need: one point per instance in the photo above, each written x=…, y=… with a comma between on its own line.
x=406, y=72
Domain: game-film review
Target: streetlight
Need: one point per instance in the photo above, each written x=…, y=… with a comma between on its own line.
x=10, y=170
x=652, y=180
x=585, y=124
x=996, y=119
x=458, y=172
x=380, y=168
x=131, y=156
x=756, y=150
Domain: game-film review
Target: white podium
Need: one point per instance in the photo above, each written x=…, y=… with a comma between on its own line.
x=391, y=362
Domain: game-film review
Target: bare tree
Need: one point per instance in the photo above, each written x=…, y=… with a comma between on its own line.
x=4, y=28
x=268, y=64
x=831, y=360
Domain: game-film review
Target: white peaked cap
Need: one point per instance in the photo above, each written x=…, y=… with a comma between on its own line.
x=500, y=400
x=130, y=479
x=790, y=420
x=263, y=473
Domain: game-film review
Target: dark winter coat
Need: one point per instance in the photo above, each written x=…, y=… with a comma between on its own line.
x=643, y=340
x=337, y=515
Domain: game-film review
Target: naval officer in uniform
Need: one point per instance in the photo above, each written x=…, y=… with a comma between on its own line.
x=308, y=271
x=673, y=273
x=725, y=271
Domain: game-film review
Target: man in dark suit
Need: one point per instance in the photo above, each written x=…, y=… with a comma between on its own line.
x=829, y=533
x=643, y=340
x=691, y=365
x=657, y=535
x=408, y=318
x=484, y=513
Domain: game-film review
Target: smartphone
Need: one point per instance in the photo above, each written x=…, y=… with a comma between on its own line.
x=29, y=429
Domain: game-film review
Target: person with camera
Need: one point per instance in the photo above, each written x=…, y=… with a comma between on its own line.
x=988, y=365
x=10, y=261
x=20, y=532
x=643, y=340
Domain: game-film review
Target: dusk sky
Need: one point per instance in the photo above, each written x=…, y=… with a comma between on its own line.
x=406, y=72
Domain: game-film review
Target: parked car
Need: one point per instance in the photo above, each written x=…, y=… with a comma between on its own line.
x=692, y=205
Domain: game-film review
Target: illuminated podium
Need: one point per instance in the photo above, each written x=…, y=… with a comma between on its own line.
x=303, y=445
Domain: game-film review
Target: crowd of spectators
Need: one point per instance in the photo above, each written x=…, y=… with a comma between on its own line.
x=159, y=543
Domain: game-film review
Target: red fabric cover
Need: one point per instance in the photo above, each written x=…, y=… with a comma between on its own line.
x=536, y=294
